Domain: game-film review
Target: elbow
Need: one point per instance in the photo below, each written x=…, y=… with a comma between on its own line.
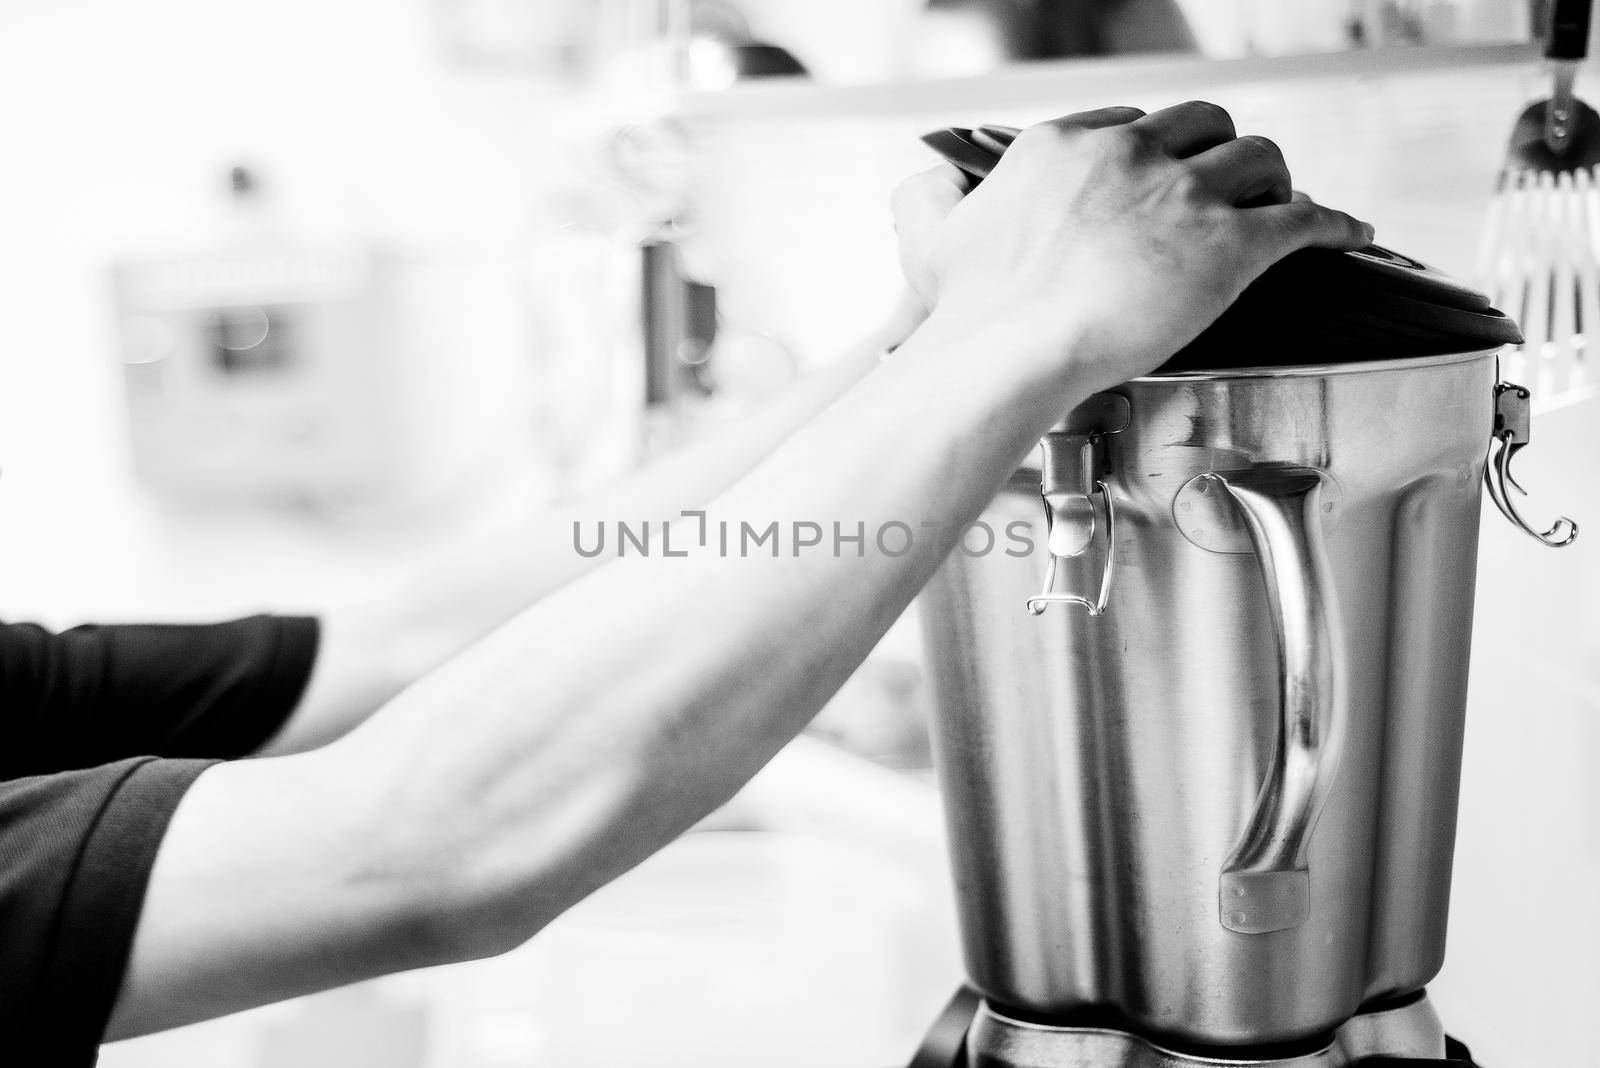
x=491, y=896
x=475, y=867
x=469, y=922
x=465, y=897
x=443, y=912
x=422, y=894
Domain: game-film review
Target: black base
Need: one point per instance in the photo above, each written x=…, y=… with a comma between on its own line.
x=946, y=1043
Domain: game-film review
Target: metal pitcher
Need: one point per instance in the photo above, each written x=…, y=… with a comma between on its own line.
x=1200, y=744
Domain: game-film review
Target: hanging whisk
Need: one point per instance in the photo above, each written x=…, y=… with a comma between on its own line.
x=1540, y=255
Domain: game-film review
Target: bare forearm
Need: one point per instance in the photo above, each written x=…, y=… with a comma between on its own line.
x=595, y=726
x=598, y=725
x=590, y=730
x=374, y=648
x=500, y=573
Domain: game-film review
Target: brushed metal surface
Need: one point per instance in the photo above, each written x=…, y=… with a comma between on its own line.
x=1098, y=772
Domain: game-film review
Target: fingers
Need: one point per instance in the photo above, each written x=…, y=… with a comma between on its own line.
x=1280, y=229
x=1248, y=171
x=1097, y=119
x=1189, y=128
x=919, y=205
x=923, y=200
x=1053, y=135
x=998, y=138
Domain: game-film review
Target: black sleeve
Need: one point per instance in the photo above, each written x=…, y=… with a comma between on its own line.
x=96, y=694
x=77, y=850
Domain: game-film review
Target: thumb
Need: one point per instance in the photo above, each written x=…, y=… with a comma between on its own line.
x=920, y=204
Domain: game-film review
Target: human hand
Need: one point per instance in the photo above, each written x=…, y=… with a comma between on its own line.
x=1110, y=234
x=908, y=313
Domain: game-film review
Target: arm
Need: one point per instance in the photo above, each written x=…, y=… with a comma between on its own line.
x=371, y=650
x=597, y=725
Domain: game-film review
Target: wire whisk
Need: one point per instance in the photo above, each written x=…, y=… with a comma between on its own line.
x=1539, y=258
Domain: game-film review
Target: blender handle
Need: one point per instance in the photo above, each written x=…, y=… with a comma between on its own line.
x=1266, y=881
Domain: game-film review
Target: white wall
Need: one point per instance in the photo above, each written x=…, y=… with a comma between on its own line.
x=119, y=124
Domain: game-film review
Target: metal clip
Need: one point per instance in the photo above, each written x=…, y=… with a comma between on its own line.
x=1512, y=431
x=1072, y=475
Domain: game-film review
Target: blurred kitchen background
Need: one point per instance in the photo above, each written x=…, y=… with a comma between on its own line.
x=294, y=293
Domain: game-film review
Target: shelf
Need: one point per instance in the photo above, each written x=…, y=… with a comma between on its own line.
x=1079, y=79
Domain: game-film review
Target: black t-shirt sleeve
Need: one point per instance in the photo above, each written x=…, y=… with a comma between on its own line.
x=96, y=694
x=77, y=850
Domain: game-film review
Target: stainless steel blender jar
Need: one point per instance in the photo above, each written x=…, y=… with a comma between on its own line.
x=1200, y=747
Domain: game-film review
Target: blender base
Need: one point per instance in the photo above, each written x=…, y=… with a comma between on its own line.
x=1408, y=1035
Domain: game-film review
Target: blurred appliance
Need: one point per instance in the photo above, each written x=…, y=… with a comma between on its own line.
x=273, y=368
x=1200, y=747
x=679, y=323
x=699, y=369
x=970, y=37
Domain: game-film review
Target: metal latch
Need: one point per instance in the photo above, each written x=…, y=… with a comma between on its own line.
x=1512, y=431
x=1072, y=470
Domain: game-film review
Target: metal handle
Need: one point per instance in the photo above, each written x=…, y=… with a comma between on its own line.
x=1561, y=114
x=1072, y=469
x=1513, y=429
x=1065, y=527
x=1266, y=881
x=1566, y=45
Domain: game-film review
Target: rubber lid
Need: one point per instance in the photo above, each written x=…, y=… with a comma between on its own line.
x=1317, y=306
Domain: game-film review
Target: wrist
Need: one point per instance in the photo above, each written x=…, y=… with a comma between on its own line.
x=1000, y=367
x=903, y=320
x=1037, y=353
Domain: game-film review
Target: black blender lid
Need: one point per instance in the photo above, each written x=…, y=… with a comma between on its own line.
x=1380, y=270
x=1316, y=306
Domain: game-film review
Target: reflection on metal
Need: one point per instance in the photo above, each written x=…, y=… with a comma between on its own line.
x=997, y=1041
x=1266, y=880
x=1211, y=521
x=1040, y=601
